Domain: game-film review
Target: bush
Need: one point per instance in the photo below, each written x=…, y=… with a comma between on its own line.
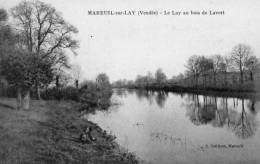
x=91, y=96
x=67, y=93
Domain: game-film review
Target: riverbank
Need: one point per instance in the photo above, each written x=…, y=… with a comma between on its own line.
x=49, y=132
x=238, y=92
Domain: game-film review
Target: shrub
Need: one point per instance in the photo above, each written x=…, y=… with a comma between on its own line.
x=91, y=96
x=67, y=93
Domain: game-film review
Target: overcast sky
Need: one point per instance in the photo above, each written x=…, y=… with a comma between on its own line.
x=124, y=46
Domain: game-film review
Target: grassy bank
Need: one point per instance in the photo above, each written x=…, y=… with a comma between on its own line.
x=48, y=133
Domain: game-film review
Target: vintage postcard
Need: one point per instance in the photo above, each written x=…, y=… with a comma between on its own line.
x=129, y=81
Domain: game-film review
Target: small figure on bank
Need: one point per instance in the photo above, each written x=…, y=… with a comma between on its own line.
x=86, y=136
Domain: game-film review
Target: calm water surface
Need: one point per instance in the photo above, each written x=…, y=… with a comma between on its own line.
x=171, y=128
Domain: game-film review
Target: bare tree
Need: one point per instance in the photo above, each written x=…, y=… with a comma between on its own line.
x=217, y=60
x=240, y=55
x=193, y=68
x=45, y=33
x=205, y=66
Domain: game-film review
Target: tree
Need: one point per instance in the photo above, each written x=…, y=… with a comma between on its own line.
x=102, y=81
x=18, y=65
x=141, y=81
x=62, y=77
x=205, y=65
x=44, y=33
x=252, y=64
x=7, y=36
x=240, y=55
x=149, y=78
x=193, y=68
x=144, y=81
x=18, y=68
x=160, y=77
x=178, y=78
x=216, y=67
x=224, y=67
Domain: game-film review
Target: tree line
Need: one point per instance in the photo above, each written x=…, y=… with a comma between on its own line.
x=213, y=71
x=159, y=77
x=241, y=60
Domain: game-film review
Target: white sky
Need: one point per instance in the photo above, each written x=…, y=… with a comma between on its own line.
x=124, y=46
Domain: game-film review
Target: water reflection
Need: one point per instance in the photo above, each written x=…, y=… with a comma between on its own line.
x=243, y=124
x=251, y=106
x=175, y=128
x=202, y=110
x=121, y=92
x=152, y=96
x=161, y=97
x=221, y=112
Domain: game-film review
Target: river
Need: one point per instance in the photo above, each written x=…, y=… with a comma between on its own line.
x=166, y=128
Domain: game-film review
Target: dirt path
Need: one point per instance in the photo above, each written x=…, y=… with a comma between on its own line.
x=48, y=133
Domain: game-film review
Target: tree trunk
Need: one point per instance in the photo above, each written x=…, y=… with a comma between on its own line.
x=216, y=102
x=241, y=72
x=198, y=101
x=252, y=107
x=57, y=81
x=241, y=77
x=196, y=81
x=19, y=98
x=26, y=100
x=225, y=79
x=204, y=81
x=38, y=92
x=215, y=79
x=77, y=84
x=251, y=76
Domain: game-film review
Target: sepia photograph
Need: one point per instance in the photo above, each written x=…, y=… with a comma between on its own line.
x=129, y=82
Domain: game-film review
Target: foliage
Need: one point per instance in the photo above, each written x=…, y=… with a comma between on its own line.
x=91, y=96
x=66, y=93
x=102, y=81
x=160, y=77
x=19, y=67
x=45, y=34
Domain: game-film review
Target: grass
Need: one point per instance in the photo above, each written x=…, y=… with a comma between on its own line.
x=48, y=133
